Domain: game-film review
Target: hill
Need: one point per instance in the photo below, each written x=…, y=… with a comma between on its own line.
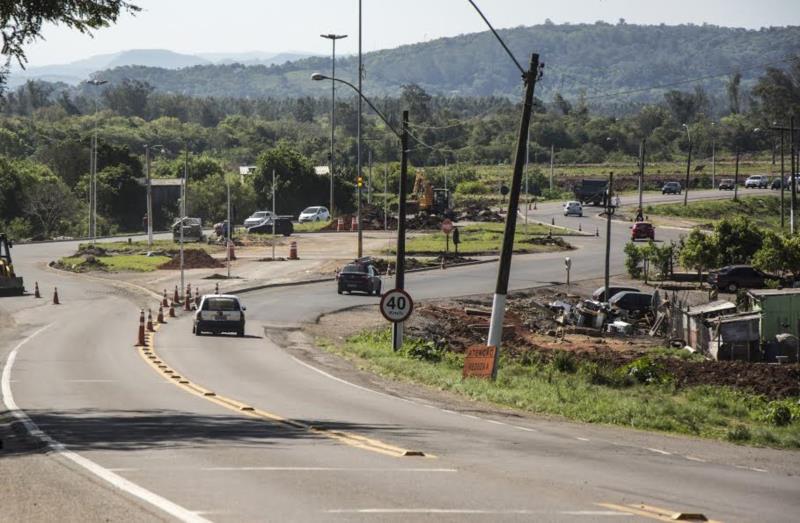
x=589, y=59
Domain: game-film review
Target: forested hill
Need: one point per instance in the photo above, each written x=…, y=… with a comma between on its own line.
x=594, y=59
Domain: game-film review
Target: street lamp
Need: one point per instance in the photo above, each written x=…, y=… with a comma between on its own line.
x=333, y=37
x=149, y=192
x=713, y=156
x=399, y=276
x=688, y=167
x=93, y=169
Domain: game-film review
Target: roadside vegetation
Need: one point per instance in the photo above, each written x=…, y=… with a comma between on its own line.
x=763, y=211
x=138, y=257
x=311, y=226
x=641, y=394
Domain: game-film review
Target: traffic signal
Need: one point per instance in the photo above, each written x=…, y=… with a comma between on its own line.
x=360, y=181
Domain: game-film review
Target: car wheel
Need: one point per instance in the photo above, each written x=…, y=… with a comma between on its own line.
x=732, y=287
x=580, y=215
x=316, y=219
x=339, y=290
x=240, y=333
x=378, y=290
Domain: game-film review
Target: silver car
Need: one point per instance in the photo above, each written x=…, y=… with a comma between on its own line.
x=257, y=218
x=219, y=313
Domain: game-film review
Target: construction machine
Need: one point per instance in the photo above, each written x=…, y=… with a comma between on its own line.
x=10, y=283
x=425, y=198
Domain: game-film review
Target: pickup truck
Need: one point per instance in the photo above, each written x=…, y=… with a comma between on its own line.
x=591, y=191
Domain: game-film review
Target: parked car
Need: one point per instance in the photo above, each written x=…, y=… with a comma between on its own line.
x=778, y=182
x=726, y=185
x=192, y=230
x=757, y=181
x=314, y=214
x=257, y=218
x=219, y=313
x=630, y=301
x=282, y=226
x=361, y=275
x=734, y=277
x=600, y=294
x=643, y=231
x=671, y=188
x=573, y=207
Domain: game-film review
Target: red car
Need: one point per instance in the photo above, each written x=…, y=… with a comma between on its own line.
x=643, y=231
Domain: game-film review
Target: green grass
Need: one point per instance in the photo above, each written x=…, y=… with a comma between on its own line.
x=117, y=263
x=311, y=226
x=141, y=247
x=762, y=210
x=573, y=392
x=484, y=238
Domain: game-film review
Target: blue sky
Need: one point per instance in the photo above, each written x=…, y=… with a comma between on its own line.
x=195, y=26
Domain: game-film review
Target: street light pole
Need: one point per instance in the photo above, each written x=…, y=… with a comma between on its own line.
x=229, y=227
x=149, y=197
x=93, y=170
x=358, y=168
x=183, y=206
x=713, y=157
x=688, y=168
x=642, y=152
x=332, y=37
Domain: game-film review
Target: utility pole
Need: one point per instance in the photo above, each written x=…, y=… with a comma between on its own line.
x=713, y=157
x=183, y=207
x=688, y=167
x=642, y=153
x=369, y=177
x=527, y=194
x=386, y=198
x=93, y=169
x=783, y=185
x=332, y=37
x=229, y=227
x=552, y=160
x=360, y=90
x=504, y=267
x=400, y=261
x=149, y=197
x=736, y=178
x=793, y=150
x=607, y=272
x=273, y=215
x=445, y=174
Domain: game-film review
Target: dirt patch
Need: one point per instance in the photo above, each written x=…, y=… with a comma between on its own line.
x=192, y=259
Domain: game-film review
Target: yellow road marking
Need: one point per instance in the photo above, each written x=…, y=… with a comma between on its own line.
x=649, y=511
x=149, y=355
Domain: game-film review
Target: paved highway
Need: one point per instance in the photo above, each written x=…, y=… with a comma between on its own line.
x=315, y=440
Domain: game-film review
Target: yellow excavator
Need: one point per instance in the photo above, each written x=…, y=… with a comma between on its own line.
x=10, y=283
x=425, y=198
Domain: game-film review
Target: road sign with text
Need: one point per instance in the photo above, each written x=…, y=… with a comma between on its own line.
x=396, y=305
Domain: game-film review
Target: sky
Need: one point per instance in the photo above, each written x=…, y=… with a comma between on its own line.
x=197, y=26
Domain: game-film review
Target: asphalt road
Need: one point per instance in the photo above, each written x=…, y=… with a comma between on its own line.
x=136, y=445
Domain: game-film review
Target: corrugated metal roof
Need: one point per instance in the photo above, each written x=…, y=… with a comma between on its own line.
x=772, y=292
x=739, y=317
x=714, y=306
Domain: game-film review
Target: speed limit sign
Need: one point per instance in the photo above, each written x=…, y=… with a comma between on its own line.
x=396, y=305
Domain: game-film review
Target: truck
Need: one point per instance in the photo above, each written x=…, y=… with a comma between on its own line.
x=10, y=283
x=591, y=191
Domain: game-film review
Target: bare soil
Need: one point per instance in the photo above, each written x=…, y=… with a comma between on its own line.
x=193, y=259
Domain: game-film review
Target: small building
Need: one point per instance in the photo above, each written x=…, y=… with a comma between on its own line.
x=780, y=311
x=735, y=337
x=322, y=170
x=696, y=325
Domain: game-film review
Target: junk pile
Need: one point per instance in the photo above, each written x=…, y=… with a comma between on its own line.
x=479, y=213
x=371, y=220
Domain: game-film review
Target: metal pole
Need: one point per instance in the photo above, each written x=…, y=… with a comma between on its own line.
x=360, y=90
x=386, y=198
x=273, y=215
x=736, y=178
x=400, y=262
x=527, y=194
x=333, y=128
x=149, y=197
x=183, y=206
x=607, y=271
x=793, y=174
x=93, y=181
x=713, y=161
x=642, y=152
x=91, y=188
x=688, y=167
x=504, y=267
x=783, y=185
x=228, y=245
x=445, y=174
x=552, y=160
x=369, y=178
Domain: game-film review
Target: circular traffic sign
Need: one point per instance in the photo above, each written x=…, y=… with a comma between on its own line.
x=396, y=305
x=447, y=226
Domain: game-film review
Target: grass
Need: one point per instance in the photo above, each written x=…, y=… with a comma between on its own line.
x=141, y=247
x=485, y=238
x=577, y=391
x=117, y=263
x=762, y=210
x=312, y=226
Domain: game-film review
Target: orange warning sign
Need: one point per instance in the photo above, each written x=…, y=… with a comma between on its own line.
x=479, y=361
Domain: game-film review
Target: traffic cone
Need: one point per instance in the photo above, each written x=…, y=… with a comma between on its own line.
x=442, y=264
x=160, y=318
x=150, y=321
x=189, y=290
x=171, y=310
x=165, y=302
x=187, y=304
x=196, y=297
x=534, y=205
x=597, y=232
x=216, y=288
x=353, y=223
x=55, y=296
x=579, y=227
x=552, y=221
x=175, y=298
x=36, y=291
x=231, y=251
x=141, y=342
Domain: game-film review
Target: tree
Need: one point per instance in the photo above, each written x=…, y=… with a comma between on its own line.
x=687, y=107
x=51, y=205
x=737, y=240
x=129, y=98
x=778, y=92
x=779, y=254
x=698, y=251
x=417, y=101
x=21, y=21
x=734, y=100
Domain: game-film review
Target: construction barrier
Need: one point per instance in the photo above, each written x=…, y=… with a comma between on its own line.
x=340, y=225
x=55, y=296
x=150, y=321
x=36, y=292
x=141, y=341
x=160, y=317
x=354, y=223
x=293, y=251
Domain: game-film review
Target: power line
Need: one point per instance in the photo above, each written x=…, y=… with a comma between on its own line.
x=510, y=54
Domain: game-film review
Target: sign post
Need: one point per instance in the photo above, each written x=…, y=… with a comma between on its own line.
x=456, y=239
x=396, y=306
x=567, y=266
x=447, y=228
x=479, y=362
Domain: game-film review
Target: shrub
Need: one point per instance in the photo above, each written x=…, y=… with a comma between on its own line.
x=473, y=187
x=738, y=433
x=647, y=370
x=781, y=412
x=429, y=351
x=564, y=361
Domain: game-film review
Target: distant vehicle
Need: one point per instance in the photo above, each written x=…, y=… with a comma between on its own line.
x=734, y=277
x=314, y=214
x=591, y=191
x=10, y=283
x=219, y=313
x=192, y=230
x=283, y=225
x=600, y=294
x=671, y=188
x=757, y=182
x=636, y=302
x=643, y=231
x=573, y=207
x=726, y=185
x=778, y=182
x=256, y=218
x=361, y=275
x=221, y=229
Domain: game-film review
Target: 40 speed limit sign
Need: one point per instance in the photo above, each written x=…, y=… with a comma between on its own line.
x=396, y=305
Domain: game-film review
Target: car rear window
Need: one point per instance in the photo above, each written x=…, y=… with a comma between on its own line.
x=221, y=304
x=354, y=268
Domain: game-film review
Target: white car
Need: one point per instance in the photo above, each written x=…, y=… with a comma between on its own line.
x=219, y=313
x=757, y=182
x=257, y=218
x=573, y=207
x=314, y=214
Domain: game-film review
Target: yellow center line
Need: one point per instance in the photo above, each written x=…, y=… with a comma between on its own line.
x=149, y=355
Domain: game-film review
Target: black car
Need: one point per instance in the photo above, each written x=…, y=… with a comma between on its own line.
x=282, y=226
x=600, y=293
x=360, y=276
x=733, y=277
x=671, y=188
x=636, y=302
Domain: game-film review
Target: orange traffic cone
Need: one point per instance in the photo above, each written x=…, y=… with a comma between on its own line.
x=231, y=251
x=55, y=296
x=196, y=296
x=141, y=329
x=216, y=288
x=150, y=321
x=175, y=298
x=36, y=291
x=164, y=301
x=171, y=310
x=160, y=318
x=187, y=305
x=579, y=227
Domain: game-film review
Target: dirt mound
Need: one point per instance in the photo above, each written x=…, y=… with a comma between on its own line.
x=192, y=259
x=773, y=381
x=477, y=213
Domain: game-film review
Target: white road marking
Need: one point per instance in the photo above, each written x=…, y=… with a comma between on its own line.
x=659, y=451
x=323, y=469
x=754, y=469
x=470, y=416
x=692, y=458
x=526, y=429
x=91, y=381
x=60, y=449
x=495, y=422
x=582, y=439
x=467, y=511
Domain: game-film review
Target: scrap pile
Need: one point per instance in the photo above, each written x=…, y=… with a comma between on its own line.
x=479, y=213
